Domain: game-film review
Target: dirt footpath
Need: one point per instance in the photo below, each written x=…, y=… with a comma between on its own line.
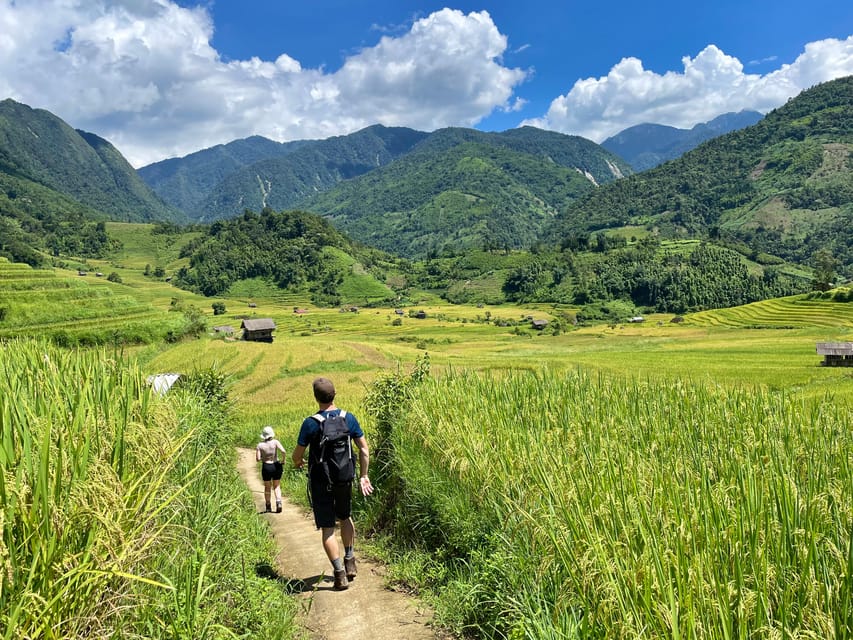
x=365, y=611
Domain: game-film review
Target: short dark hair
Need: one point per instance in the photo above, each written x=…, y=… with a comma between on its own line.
x=324, y=390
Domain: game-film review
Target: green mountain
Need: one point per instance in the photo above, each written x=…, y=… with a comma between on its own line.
x=59, y=185
x=462, y=188
x=39, y=147
x=186, y=182
x=222, y=182
x=782, y=188
x=645, y=146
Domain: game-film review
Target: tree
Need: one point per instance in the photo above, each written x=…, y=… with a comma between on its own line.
x=824, y=264
x=218, y=308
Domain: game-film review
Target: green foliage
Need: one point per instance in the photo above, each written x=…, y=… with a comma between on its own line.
x=782, y=186
x=824, y=270
x=651, y=278
x=593, y=508
x=293, y=249
x=218, y=308
x=37, y=147
x=256, y=172
x=388, y=401
x=109, y=489
x=462, y=189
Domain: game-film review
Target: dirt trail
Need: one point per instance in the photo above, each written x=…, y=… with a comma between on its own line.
x=365, y=611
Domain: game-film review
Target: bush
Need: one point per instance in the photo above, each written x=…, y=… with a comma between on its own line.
x=114, y=277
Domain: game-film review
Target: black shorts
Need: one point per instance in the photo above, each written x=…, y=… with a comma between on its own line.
x=271, y=471
x=330, y=503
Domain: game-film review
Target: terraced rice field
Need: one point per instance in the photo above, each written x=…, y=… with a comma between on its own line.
x=792, y=312
x=39, y=302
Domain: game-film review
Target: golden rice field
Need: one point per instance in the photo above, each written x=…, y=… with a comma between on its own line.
x=272, y=381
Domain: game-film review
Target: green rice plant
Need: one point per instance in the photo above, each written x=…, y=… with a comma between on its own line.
x=603, y=507
x=79, y=512
x=121, y=513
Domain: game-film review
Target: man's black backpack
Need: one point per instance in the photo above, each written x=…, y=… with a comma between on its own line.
x=332, y=457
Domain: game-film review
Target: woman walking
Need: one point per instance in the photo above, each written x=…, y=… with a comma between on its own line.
x=271, y=467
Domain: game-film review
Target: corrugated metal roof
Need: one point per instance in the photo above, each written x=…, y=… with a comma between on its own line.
x=258, y=324
x=835, y=348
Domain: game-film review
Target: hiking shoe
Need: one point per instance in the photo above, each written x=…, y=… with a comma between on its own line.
x=269, y=508
x=349, y=567
x=341, y=581
x=278, y=506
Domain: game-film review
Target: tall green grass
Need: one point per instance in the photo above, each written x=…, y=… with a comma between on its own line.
x=560, y=505
x=120, y=512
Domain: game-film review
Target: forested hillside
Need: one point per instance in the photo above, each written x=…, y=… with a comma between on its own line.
x=780, y=189
x=58, y=186
x=644, y=146
x=186, y=182
x=213, y=185
x=37, y=146
x=462, y=189
x=35, y=219
x=294, y=250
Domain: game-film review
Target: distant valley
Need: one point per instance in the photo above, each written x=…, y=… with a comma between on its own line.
x=523, y=214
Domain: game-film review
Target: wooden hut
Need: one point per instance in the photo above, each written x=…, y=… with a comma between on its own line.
x=539, y=324
x=258, y=329
x=836, y=354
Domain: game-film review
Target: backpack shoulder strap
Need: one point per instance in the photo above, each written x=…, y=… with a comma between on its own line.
x=319, y=417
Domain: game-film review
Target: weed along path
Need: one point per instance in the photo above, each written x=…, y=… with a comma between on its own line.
x=365, y=611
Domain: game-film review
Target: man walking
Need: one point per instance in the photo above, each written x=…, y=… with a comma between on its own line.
x=330, y=476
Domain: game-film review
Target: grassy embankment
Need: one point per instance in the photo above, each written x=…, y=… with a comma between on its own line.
x=121, y=514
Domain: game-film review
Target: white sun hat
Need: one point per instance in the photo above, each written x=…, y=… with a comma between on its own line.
x=267, y=433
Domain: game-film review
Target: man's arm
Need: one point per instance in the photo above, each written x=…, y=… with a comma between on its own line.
x=363, y=464
x=297, y=456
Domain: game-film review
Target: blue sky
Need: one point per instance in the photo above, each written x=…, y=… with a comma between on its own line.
x=160, y=78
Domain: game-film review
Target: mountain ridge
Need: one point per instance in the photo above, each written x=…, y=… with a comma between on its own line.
x=783, y=186
x=76, y=163
x=647, y=145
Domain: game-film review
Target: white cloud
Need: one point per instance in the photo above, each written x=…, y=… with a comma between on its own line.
x=143, y=74
x=712, y=83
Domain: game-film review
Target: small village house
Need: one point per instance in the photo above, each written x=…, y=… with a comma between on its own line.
x=836, y=354
x=258, y=330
